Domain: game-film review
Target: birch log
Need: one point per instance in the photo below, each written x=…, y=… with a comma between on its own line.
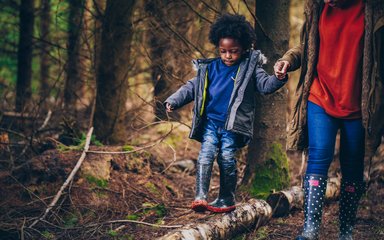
x=251, y=215
x=283, y=201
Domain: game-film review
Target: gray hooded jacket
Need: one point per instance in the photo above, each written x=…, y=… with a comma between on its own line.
x=241, y=109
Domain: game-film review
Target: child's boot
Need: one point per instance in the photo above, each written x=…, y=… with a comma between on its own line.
x=226, y=200
x=350, y=194
x=203, y=178
x=314, y=191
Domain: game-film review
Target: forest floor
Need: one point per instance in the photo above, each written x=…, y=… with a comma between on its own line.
x=142, y=194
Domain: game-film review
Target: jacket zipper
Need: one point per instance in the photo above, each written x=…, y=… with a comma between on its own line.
x=204, y=93
x=229, y=105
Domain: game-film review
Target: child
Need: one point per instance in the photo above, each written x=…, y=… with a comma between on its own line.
x=223, y=92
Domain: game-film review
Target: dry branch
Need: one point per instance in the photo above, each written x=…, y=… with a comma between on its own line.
x=283, y=201
x=246, y=217
x=69, y=179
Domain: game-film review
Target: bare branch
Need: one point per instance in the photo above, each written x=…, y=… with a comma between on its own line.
x=69, y=179
x=196, y=12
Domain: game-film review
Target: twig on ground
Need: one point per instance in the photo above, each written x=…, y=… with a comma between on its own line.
x=138, y=149
x=47, y=118
x=29, y=191
x=174, y=158
x=137, y=222
x=125, y=152
x=22, y=230
x=69, y=179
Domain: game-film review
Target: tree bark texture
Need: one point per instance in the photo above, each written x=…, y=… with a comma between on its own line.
x=24, y=54
x=283, y=201
x=166, y=35
x=99, y=6
x=251, y=215
x=112, y=77
x=45, y=20
x=74, y=79
x=270, y=123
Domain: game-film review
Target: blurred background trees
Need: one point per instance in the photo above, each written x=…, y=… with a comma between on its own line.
x=68, y=65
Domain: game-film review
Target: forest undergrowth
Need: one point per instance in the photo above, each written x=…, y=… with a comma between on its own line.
x=140, y=190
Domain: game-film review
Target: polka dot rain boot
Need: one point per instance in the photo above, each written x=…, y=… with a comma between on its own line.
x=314, y=191
x=350, y=194
x=203, y=178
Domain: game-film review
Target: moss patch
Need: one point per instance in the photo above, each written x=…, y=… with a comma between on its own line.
x=101, y=183
x=272, y=175
x=152, y=188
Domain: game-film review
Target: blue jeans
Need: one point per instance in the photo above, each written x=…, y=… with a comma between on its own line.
x=322, y=131
x=221, y=143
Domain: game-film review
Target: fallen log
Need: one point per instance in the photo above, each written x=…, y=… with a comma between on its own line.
x=249, y=216
x=283, y=201
x=246, y=217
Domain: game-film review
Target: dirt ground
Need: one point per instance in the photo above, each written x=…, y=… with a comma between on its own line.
x=369, y=224
x=146, y=194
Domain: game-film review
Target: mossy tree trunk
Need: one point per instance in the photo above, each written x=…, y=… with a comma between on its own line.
x=267, y=164
x=112, y=77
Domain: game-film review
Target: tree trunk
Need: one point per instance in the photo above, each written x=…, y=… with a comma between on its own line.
x=112, y=77
x=74, y=79
x=24, y=54
x=159, y=45
x=270, y=124
x=166, y=35
x=45, y=20
x=99, y=6
x=283, y=201
x=251, y=215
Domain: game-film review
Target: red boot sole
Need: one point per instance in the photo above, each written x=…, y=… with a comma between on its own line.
x=199, y=205
x=221, y=210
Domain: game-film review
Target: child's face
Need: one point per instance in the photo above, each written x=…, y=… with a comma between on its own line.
x=230, y=51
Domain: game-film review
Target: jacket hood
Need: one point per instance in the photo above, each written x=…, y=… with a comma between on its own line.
x=261, y=59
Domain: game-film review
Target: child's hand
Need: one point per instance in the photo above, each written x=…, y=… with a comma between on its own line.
x=281, y=68
x=168, y=107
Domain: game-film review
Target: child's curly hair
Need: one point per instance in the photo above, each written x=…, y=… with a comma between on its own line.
x=232, y=26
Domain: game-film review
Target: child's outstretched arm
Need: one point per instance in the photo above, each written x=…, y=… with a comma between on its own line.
x=266, y=83
x=181, y=97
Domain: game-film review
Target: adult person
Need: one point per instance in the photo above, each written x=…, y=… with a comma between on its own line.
x=340, y=88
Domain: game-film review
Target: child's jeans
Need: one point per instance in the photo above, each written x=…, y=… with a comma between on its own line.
x=322, y=131
x=220, y=142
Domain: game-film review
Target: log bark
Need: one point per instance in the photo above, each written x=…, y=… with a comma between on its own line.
x=251, y=215
x=283, y=201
